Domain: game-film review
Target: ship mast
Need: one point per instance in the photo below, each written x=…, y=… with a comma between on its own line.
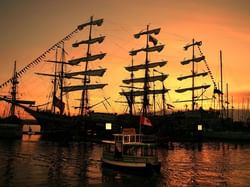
x=131, y=98
x=61, y=79
x=58, y=80
x=13, y=91
x=146, y=83
x=145, y=91
x=85, y=100
x=194, y=74
x=87, y=73
x=221, y=79
x=55, y=83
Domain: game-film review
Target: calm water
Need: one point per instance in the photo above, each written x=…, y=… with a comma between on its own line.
x=32, y=162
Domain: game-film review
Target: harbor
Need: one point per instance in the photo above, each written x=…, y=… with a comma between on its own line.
x=117, y=95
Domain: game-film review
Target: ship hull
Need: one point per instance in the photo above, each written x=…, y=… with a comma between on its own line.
x=11, y=128
x=58, y=127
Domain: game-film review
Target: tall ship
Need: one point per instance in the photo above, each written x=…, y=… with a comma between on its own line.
x=140, y=92
x=11, y=127
x=55, y=122
x=196, y=118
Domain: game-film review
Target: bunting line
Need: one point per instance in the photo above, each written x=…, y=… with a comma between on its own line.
x=40, y=58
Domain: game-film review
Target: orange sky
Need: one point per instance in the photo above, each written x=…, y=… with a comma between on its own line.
x=28, y=28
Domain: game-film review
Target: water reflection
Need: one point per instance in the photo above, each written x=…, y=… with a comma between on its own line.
x=212, y=164
x=32, y=162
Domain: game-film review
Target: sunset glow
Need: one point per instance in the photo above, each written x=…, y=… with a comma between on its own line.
x=29, y=28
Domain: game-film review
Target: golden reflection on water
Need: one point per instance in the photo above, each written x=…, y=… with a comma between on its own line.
x=213, y=164
x=34, y=138
x=35, y=162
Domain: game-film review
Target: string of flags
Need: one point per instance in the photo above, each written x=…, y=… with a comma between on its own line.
x=40, y=58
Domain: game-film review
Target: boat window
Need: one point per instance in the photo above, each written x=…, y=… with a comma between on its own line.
x=138, y=151
x=149, y=151
x=138, y=138
x=118, y=138
x=109, y=148
x=126, y=139
x=127, y=150
x=132, y=138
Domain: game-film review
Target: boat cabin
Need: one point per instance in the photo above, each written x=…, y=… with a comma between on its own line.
x=130, y=150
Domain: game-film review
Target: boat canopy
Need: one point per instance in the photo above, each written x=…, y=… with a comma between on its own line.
x=142, y=79
x=88, y=58
x=190, y=89
x=143, y=66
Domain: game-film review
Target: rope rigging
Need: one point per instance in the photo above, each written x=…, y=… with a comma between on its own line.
x=209, y=71
x=41, y=57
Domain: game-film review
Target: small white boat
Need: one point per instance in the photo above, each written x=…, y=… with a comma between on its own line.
x=131, y=151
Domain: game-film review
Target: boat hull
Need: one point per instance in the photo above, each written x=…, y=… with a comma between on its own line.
x=143, y=167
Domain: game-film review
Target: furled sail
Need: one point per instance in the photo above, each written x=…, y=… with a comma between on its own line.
x=143, y=66
x=154, y=48
x=96, y=72
x=97, y=22
x=91, y=41
x=153, y=31
x=79, y=87
x=141, y=93
x=150, y=79
x=148, y=49
x=134, y=52
x=183, y=101
x=57, y=62
x=190, y=76
x=53, y=75
x=198, y=59
x=190, y=89
x=88, y=58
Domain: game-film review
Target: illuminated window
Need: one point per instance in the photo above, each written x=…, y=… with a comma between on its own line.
x=108, y=126
x=199, y=127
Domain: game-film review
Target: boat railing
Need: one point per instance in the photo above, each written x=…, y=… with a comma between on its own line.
x=134, y=138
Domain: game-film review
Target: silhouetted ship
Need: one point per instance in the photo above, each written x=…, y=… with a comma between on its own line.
x=191, y=123
x=11, y=127
x=143, y=90
x=55, y=123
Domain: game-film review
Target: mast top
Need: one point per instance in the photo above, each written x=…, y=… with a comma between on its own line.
x=198, y=43
x=97, y=22
x=152, y=31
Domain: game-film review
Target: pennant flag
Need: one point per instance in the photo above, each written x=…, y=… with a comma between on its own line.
x=217, y=91
x=58, y=103
x=145, y=121
x=153, y=40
